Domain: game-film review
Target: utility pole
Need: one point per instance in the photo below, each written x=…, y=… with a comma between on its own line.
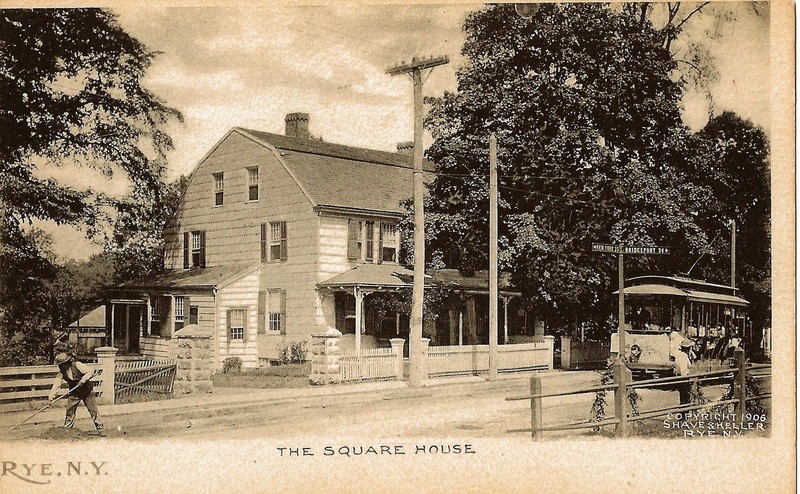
x=493, y=258
x=414, y=69
x=733, y=253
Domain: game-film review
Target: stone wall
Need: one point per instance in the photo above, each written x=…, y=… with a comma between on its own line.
x=194, y=360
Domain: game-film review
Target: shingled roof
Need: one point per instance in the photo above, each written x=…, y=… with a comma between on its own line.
x=348, y=177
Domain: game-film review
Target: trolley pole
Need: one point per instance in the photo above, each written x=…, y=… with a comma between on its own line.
x=621, y=299
x=414, y=69
x=733, y=253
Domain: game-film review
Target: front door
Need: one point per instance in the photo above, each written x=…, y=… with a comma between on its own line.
x=127, y=324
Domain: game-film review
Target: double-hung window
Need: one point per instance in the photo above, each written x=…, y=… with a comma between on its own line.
x=273, y=241
x=272, y=311
x=219, y=188
x=252, y=183
x=237, y=324
x=388, y=242
x=180, y=312
x=194, y=249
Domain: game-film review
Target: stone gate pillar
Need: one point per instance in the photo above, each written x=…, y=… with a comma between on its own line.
x=325, y=357
x=194, y=362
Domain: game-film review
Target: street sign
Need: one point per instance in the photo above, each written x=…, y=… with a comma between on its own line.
x=629, y=249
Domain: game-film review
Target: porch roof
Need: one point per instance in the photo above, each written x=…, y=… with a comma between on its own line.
x=94, y=319
x=208, y=277
x=371, y=275
x=392, y=277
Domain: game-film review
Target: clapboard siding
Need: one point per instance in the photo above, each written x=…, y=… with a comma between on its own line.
x=233, y=230
x=155, y=347
x=239, y=294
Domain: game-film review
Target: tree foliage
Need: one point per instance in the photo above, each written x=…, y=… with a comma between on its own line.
x=731, y=159
x=585, y=102
x=72, y=97
x=586, y=111
x=138, y=238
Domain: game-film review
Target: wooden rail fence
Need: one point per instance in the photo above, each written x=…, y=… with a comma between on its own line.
x=28, y=387
x=622, y=386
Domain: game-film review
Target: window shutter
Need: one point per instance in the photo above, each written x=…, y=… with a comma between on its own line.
x=352, y=239
x=380, y=243
x=186, y=247
x=283, y=311
x=284, y=253
x=369, y=242
x=244, y=325
x=262, y=311
x=228, y=321
x=202, y=249
x=263, y=241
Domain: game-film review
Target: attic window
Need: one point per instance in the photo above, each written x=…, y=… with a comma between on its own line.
x=219, y=188
x=252, y=183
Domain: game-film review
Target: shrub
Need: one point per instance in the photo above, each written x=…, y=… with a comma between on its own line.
x=292, y=352
x=232, y=364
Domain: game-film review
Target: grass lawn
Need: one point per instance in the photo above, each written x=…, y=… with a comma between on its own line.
x=279, y=376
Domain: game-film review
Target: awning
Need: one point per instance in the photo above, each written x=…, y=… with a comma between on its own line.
x=692, y=295
x=644, y=290
x=716, y=298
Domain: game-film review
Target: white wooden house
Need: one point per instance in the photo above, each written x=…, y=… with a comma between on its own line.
x=279, y=237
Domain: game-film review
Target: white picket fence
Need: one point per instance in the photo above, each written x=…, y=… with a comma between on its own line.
x=474, y=359
x=369, y=365
x=385, y=364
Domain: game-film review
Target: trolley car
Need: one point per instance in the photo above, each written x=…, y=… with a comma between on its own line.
x=660, y=311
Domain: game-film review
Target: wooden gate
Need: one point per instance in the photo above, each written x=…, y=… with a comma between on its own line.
x=143, y=378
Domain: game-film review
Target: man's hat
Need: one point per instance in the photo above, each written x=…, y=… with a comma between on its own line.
x=687, y=343
x=62, y=358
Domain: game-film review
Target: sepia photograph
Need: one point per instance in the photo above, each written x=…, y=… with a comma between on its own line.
x=397, y=248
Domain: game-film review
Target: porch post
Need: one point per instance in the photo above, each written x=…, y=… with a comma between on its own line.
x=505, y=319
x=460, y=327
x=359, y=301
x=111, y=305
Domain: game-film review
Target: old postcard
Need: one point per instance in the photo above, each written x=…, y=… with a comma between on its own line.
x=360, y=247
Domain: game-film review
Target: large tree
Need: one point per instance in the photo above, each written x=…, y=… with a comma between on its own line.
x=731, y=159
x=585, y=102
x=72, y=96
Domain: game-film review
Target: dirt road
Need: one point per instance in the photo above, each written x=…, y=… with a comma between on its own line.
x=467, y=410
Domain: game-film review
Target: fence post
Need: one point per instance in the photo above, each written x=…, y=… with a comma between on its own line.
x=397, y=348
x=550, y=343
x=740, y=385
x=106, y=360
x=622, y=376
x=536, y=407
x=425, y=343
x=566, y=343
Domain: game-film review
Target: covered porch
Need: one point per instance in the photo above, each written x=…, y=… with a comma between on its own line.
x=371, y=305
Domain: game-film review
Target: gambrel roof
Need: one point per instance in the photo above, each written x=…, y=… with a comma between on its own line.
x=345, y=177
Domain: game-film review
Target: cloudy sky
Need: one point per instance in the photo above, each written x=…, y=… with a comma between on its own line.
x=248, y=67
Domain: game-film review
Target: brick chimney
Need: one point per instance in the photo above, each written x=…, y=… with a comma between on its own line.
x=406, y=147
x=297, y=125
